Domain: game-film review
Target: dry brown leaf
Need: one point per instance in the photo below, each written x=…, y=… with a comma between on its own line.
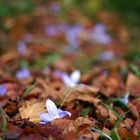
x=134, y=110
x=132, y=80
x=136, y=127
x=48, y=91
x=9, y=56
x=135, y=90
x=102, y=112
x=112, y=117
x=62, y=65
x=31, y=110
x=81, y=126
x=85, y=94
x=129, y=123
x=111, y=85
x=125, y=133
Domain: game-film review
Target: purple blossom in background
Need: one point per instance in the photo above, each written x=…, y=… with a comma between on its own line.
x=3, y=90
x=107, y=55
x=23, y=74
x=55, y=7
x=58, y=73
x=22, y=48
x=99, y=34
x=63, y=27
x=51, y=30
x=53, y=112
x=72, y=35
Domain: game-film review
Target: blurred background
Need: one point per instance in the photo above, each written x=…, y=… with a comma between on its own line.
x=90, y=31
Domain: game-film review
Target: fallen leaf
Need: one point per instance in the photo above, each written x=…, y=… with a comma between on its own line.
x=86, y=94
x=32, y=109
x=132, y=80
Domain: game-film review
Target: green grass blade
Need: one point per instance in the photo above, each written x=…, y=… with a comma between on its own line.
x=86, y=111
x=28, y=90
x=4, y=126
x=110, y=108
x=115, y=135
x=120, y=119
x=66, y=94
x=102, y=133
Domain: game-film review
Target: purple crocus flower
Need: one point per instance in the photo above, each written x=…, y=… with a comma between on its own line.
x=3, y=90
x=23, y=74
x=99, y=34
x=51, y=30
x=55, y=7
x=72, y=35
x=125, y=99
x=107, y=55
x=22, y=48
x=53, y=112
x=69, y=80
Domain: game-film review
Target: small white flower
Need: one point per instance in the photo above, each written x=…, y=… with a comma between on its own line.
x=71, y=80
x=125, y=99
x=53, y=112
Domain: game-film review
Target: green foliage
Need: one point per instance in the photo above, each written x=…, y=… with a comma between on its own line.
x=120, y=118
x=90, y=7
x=23, y=63
x=27, y=91
x=139, y=133
x=39, y=63
x=53, y=57
x=10, y=8
x=115, y=135
x=135, y=69
x=128, y=9
x=86, y=111
x=118, y=101
x=4, y=123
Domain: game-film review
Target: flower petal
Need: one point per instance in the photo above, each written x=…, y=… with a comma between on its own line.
x=22, y=48
x=75, y=76
x=63, y=113
x=23, y=74
x=42, y=123
x=45, y=117
x=52, y=109
x=67, y=80
x=125, y=99
x=3, y=90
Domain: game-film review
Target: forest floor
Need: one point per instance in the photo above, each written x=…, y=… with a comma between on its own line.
x=64, y=76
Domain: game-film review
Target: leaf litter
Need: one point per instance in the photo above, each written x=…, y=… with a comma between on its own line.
x=77, y=69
